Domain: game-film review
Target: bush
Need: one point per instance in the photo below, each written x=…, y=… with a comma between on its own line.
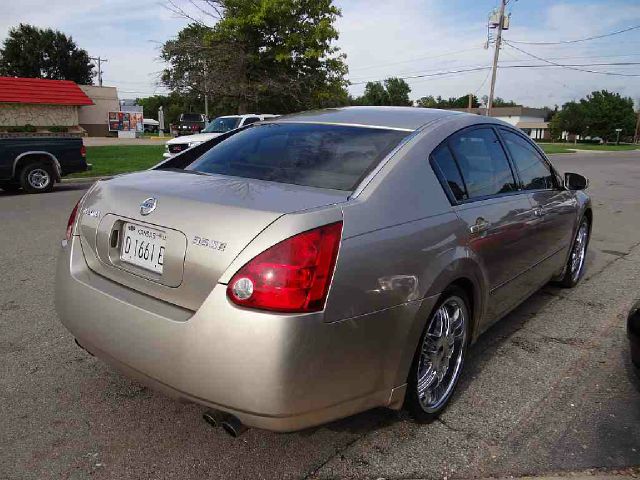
x=30, y=128
x=58, y=129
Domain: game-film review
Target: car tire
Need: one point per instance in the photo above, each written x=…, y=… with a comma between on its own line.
x=439, y=358
x=574, y=269
x=37, y=177
x=10, y=187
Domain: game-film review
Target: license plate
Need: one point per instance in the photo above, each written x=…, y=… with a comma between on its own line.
x=143, y=247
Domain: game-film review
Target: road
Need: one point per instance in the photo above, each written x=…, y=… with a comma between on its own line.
x=549, y=389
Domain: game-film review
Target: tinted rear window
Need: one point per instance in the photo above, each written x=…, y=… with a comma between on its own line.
x=325, y=156
x=191, y=117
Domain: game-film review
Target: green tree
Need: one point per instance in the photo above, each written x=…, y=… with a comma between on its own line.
x=271, y=55
x=605, y=111
x=452, y=102
x=501, y=102
x=570, y=119
x=29, y=51
x=393, y=91
x=398, y=92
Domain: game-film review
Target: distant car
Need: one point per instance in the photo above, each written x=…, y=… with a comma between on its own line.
x=633, y=332
x=320, y=264
x=34, y=164
x=151, y=125
x=191, y=123
x=216, y=128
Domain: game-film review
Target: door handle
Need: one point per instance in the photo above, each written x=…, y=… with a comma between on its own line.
x=480, y=226
x=539, y=212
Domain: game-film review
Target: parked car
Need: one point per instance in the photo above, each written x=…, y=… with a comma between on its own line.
x=151, y=125
x=36, y=163
x=633, y=332
x=216, y=128
x=190, y=123
x=319, y=264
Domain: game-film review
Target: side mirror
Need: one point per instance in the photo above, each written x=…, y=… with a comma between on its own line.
x=575, y=181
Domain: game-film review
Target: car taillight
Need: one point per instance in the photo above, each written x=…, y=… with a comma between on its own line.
x=83, y=151
x=72, y=221
x=292, y=276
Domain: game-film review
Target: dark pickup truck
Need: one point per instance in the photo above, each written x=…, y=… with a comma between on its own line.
x=36, y=163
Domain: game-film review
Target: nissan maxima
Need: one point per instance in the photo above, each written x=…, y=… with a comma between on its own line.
x=320, y=264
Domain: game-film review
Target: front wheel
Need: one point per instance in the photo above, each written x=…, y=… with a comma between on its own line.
x=575, y=265
x=439, y=359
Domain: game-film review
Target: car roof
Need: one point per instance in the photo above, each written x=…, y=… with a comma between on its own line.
x=401, y=118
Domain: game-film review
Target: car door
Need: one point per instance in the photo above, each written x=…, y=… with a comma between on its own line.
x=499, y=216
x=554, y=206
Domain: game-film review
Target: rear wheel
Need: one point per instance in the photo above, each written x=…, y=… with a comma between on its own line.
x=37, y=178
x=575, y=265
x=439, y=359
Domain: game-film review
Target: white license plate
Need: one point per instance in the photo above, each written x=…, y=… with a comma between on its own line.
x=143, y=247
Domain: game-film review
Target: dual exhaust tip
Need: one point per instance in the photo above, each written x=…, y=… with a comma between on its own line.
x=228, y=422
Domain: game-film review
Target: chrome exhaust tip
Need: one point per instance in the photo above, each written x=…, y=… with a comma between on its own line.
x=213, y=417
x=233, y=426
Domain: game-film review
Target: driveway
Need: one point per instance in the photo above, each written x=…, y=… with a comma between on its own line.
x=548, y=390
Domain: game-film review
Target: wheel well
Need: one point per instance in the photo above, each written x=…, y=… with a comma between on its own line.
x=31, y=158
x=468, y=287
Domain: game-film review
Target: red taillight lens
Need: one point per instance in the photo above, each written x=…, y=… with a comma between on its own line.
x=83, y=151
x=292, y=276
x=72, y=221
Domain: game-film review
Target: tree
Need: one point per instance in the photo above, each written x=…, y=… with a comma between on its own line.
x=500, y=102
x=33, y=52
x=570, y=119
x=270, y=55
x=452, y=102
x=394, y=91
x=398, y=92
x=605, y=111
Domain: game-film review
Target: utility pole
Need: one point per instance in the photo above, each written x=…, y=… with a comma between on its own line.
x=496, y=54
x=470, y=102
x=99, y=60
x=636, y=136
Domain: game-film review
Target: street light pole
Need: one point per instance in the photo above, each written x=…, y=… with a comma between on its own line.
x=99, y=60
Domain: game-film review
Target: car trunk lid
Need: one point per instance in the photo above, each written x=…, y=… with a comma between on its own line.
x=204, y=222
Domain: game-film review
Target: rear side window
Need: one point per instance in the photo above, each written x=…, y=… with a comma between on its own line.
x=250, y=120
x=325, y=156
x=535, y=174
x=484, y=165
x=449, y=171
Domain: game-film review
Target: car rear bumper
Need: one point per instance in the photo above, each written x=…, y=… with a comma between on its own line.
x=273, y=371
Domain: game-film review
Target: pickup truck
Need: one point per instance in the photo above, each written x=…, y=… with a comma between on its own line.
x=36, y=163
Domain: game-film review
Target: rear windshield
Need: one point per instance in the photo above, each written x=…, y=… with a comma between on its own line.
x=191, y=117
x=325, y=156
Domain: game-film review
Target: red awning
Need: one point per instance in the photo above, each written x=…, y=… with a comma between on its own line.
x=41, y=91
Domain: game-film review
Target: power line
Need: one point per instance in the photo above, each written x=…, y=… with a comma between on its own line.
x=570, y=67
x=595, y=37
x=445, y=54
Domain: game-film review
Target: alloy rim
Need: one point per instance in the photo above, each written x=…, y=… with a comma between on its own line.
x=38, y=178
x=441, y=354
x=579, y=252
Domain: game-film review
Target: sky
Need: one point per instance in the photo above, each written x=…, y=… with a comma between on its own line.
x=382, y=39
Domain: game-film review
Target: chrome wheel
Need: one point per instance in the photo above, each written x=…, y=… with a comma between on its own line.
x=442, y=354
x=38, y=178
x=579, y=252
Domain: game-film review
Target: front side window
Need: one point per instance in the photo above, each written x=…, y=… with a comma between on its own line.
x=535, y=174
x=222, y=125
x=484, y=165
x=325, y=156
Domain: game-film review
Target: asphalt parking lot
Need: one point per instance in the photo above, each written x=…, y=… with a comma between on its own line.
x=548, y=390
